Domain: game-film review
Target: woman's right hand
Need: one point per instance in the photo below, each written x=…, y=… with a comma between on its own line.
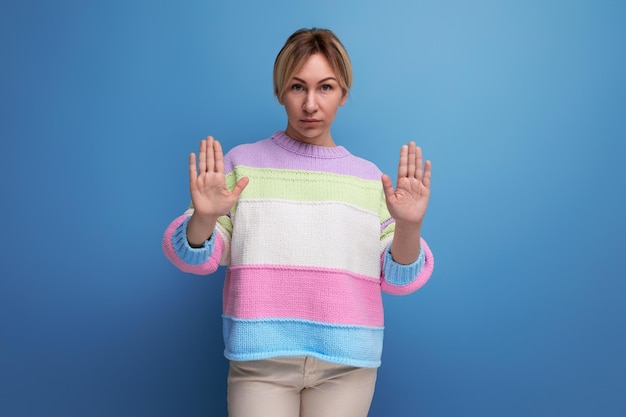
x=209, y=194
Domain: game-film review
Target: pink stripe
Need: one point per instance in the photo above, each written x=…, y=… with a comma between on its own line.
x=206, y=268
x=422, y=277
x=328, y=296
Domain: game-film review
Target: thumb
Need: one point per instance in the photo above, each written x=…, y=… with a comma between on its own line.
x=239, y=187
x=387, y=186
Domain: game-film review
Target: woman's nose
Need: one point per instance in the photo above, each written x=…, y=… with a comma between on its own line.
x=310, y=103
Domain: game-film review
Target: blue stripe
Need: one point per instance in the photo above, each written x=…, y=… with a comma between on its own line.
x=191, y=256
x=399, y=274
x=359, y=346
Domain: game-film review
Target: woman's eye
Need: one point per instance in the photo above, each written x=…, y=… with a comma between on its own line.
x=297, y=87
x=327, y=87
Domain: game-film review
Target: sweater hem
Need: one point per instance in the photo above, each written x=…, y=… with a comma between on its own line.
x=294, y=353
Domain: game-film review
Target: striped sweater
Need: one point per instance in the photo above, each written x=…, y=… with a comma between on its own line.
x=307, y=250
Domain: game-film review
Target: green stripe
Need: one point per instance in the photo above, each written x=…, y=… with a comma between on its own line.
x=388, y=231
x=225, y=222
x=308, y=186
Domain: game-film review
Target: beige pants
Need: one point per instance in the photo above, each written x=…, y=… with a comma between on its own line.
x=298, y=387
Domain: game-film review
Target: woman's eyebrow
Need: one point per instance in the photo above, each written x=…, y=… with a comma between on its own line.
x=300, y=80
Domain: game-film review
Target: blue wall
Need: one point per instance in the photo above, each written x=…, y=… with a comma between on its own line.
x=520, y=105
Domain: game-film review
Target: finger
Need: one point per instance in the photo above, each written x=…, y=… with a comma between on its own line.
x=193, y=174
x=418, y=163
x=210, y=154
x=387, y=186
x=219, y=157
x=427, y=173
x=410, y=172
x=402, y=164
x=239, y=187
x=202, y=157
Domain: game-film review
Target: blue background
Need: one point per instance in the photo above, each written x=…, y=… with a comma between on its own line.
x=520, y=105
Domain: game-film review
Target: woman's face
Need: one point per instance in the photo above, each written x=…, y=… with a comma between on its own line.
x=311, y=102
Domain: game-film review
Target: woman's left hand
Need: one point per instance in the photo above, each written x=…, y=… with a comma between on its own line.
x=408, y=202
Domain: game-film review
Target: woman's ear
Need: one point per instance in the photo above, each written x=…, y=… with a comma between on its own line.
x=344, y=98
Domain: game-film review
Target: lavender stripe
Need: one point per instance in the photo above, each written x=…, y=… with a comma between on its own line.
x=282, y=152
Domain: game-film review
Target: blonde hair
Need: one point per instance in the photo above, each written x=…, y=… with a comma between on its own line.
x=300, y=46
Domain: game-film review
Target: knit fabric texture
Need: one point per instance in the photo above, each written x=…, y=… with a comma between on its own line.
x=307, y=250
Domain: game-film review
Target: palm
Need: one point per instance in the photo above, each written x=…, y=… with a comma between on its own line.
x=207, y=185
x=407, y=204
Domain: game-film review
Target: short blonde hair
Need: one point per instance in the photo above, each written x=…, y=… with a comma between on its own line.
x=300, y=46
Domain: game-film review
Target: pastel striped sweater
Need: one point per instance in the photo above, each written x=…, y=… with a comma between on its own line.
x=307, y=249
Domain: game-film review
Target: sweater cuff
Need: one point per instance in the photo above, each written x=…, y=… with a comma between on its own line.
x=188, y=254
x=400, y=274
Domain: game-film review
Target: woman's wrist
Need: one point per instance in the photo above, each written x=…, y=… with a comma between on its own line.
x=199, y=229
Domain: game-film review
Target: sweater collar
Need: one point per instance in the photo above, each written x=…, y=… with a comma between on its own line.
x=306, y=149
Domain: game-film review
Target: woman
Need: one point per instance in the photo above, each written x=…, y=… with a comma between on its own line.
x=311, y=235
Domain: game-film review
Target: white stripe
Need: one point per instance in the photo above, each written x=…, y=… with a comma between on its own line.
x=317, y=234
x=385, y=243
x=225, y=259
